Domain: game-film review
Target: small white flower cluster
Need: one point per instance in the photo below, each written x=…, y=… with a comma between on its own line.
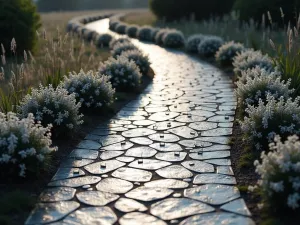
x=91, y=90
x=259, y=86
x=24, y=145
x=159, y=36
x=193, y=42
x=173, y=39
x=103, y=40
x=132, y=30
x=141, y=60
x=121, y=28
x=209, y=46
x=227, y=52
x=119, y=48
x=124, y=74
x=249, y=59
x=52, y=106
x=145, y=33
x=270, y=118
x=280, y=172
x=113, y=42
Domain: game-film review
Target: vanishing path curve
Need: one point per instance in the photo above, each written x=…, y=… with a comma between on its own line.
x=163, y=159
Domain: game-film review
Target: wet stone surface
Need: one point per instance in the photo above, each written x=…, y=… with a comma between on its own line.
x=163, y=159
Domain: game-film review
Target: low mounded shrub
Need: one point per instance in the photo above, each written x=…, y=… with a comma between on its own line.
x=154, y=32
x=250, y=59
x=227, y=52
x=279, y=171
x=259, y=86
x=132, y=30
x=121, y=28
x=145, y=33
x=124, y=74
x=159, y=36
x=89, y=35
x=52, y=106
x=113, y=24
x=25, y=145
x=103, y=40
x=209, y=46
x=92, y=90
x=119, y=48
x=193, y=42
x=141, y=60
x=173, y=39
x=271, y=118
x=113, y=42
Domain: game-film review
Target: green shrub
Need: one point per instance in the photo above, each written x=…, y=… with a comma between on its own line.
x=177, y=9
x=19, y=20
x=256, y=8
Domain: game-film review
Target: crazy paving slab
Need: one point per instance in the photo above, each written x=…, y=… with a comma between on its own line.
x=163, y=159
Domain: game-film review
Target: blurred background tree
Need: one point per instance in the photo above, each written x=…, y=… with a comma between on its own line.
x=20, y=20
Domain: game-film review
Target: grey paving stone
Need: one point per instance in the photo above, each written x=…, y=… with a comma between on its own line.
x=198, y=166
x=219, y=162
x=175, y=208
x=88, y=144
x=202, y=126
x=137, y=218
x=127, y=205
x=72, y=162
x=194, y=143
x=221, y=119
x=57, y=194
x=138, y=132
x=163, y=116
x=141, y=141
x=114, y=185
x=237, y=206
x=111, y=139
x=189, y=118
x=143, y=122
x=174, y=171
x=166, y=147
x=131, y=174
x=218, y=140
x=75, y=182
x=121, y=146
x=161, y=137
x=148, y=194
x=83, y=154
x=110, y=154
x=213, y=194
x=165, y=125
x=125, y=159
x=64, y=173
x=214, y=178
x=171, y=156
x=50, y=212
x=217, y=132
x=217, y=218
x=227, y=170
x=209, y=155
x=104, y=166
x=141, y=152
x=184, y=132
x=91, y=215
x=96, y=198
x=167, y=183
x=148, y=164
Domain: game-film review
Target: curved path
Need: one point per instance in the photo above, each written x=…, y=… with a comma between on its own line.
x=163, y=159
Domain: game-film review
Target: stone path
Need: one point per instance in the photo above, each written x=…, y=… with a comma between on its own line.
x=163, y=159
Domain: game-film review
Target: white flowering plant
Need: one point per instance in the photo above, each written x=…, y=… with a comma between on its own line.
x=173, y=39
x=227, y=52
x=140, y=59
x=121, y=28
x=113, y=42
x=103, y=40
x=52, y=106
x=132, y=30
x=275, y=116
x=209, y=46
x=249, y=59
x=119, y=48
x=124, y=75
x=279, y=172
x=145, y=33
x=92, y=90
x=25, y=146
x=259, y=86
x=193, y=42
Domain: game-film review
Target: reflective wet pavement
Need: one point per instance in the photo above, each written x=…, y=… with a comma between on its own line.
x=163, y=159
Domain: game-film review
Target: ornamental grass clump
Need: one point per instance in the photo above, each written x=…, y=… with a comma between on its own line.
x=193, y=42
x=250, y=59
x=132, y=30
x=52, y=106
x=279, y=171
x=140, y=59
x=173, y=39
x=124, y=74
x=121, y=28
x=103, y=40
x=119, y=48
x=227, y=52
x=270, y=118
x=209, y=46
x=145, y=33
x=260, y=86
x=91, y=89
x=113, y=42
x=25, y=145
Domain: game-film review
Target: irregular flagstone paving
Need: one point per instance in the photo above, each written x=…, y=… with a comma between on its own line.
x=163, y=159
